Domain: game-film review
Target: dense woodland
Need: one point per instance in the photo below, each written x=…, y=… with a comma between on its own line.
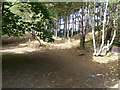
x=63, y=19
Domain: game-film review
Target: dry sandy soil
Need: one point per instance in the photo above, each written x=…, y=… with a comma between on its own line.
x=29, y=65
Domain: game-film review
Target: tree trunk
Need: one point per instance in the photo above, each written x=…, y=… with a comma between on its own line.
x=72, y=26
x=97, y=19
x=65, y=27
x=55, y=32
x=93, y=36
x=82, y=34
x=75, y=23
x=103, y=31
x=82, y=41
x=56, y=28
x=72, y=32
x=33, y=34
x=109, y=31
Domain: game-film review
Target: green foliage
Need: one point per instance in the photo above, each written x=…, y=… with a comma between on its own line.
x=10, y=24
x=98, y=28
x=46, y=36
x=21, y=17
x=63, y=9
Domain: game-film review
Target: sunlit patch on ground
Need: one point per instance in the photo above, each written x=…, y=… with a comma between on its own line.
x=19, y=50
x=67, y=45
x=107, y=59
x=116, y=86
x=31, y=46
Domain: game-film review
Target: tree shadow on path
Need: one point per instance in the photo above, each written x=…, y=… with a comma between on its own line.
x=56, y=68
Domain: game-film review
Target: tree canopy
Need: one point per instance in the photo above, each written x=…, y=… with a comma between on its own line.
x=26, y=16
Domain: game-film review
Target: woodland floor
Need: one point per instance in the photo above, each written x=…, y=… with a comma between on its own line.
x=29, y=65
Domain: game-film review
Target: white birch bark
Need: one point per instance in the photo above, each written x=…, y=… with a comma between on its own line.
x=103, y=30
x=93, y=36
x=93, y=33
x=110, y=43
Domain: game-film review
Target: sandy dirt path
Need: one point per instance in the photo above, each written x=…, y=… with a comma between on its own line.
x=46, y=67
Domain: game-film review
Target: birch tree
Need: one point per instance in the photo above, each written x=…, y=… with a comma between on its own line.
x=104, y=46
